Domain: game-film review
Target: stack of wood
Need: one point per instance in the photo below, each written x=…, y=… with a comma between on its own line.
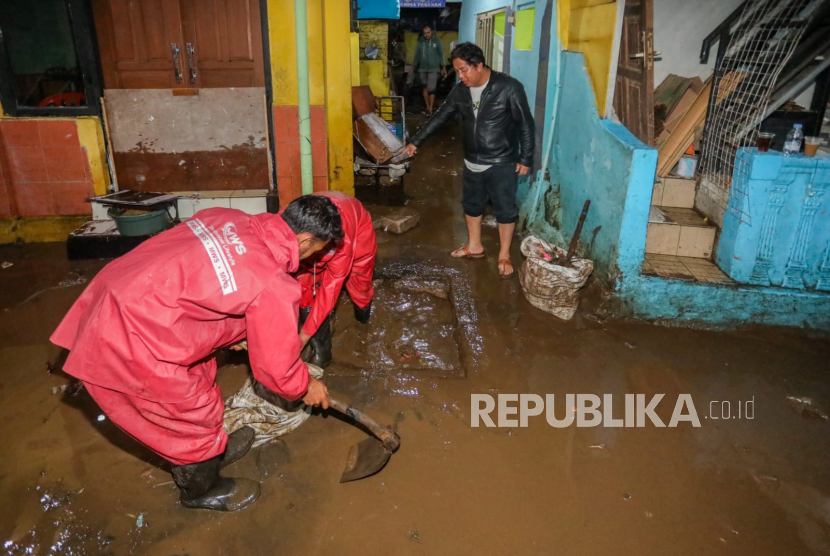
x=679, y=113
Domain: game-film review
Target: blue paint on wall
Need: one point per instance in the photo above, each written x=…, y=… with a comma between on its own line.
x=598, y=160
x=602, y=161
x=378, y=9
x=776, y=229
x=524, y=64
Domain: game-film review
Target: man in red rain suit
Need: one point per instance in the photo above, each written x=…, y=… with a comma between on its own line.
x=351, y=263
x=142, y=334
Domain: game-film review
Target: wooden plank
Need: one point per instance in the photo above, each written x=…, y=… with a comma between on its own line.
x=683, y=134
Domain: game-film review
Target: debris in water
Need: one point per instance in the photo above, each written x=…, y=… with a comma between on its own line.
x=272, y=457
x=489, y=221
x=807, y=408
x=626, y=496
x=597, y=446
x=400, y=221
x=630, y=346
x=147, y=473
x=6, y=264
x=139, y=522
x=59, y=389
x=102, y=418
x=767, y=481
x=415, y=535
x=453, y=173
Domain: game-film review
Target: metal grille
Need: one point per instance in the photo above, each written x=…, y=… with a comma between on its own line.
x=763, y=40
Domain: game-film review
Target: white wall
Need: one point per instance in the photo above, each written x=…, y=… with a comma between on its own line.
x=679, y=29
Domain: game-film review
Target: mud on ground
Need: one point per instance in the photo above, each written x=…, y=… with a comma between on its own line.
x=73, y=484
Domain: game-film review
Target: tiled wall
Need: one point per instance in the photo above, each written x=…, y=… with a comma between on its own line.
x=287, y=147
x=45, y=171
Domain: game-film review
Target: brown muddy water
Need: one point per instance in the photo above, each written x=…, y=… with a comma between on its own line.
x=73, y=484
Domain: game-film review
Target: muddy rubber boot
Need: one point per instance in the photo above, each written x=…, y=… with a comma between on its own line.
x=202, y=487
x=321, y=343
x=239, y=442
x=362, y=314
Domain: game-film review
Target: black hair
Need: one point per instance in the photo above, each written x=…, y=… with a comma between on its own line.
x=316, y=215
x=468, y=52
x=427, y=26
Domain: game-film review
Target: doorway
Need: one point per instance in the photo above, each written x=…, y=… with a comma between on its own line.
x=184, y=93
x=490, y=30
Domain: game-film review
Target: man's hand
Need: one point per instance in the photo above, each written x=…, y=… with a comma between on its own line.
x=304, y=338
x=411, y=69
x=443, y=71
x=522, y=170
x=410, y=150
x=317, y=393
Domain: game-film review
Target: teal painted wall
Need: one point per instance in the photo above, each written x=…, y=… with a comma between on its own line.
x=602, y=161
x=524, y=64
x=598, y=160
x=776, y=229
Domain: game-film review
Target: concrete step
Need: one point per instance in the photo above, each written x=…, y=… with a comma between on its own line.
x=679, y=232
x=250, y=201
x=674, y=192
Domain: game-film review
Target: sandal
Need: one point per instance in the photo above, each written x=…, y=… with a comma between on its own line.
x=508, y=264
x=467, y=254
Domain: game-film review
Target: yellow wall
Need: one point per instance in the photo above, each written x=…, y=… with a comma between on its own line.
x=329, y=63
x=354, y=49
x=411, y=41
x=338, y=96
x=590, y=30
x=91, y=137
x=284, y=52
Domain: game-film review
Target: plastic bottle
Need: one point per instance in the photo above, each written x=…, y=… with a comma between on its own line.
x=792, y=145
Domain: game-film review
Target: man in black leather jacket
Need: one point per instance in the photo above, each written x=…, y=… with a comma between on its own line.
x=498, y=146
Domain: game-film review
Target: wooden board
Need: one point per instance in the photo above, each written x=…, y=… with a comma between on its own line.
x=683, y=134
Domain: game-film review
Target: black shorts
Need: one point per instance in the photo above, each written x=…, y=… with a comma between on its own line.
x=496, y=184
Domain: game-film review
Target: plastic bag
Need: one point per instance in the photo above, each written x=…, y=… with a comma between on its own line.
x=269, y=415
x=549, y=286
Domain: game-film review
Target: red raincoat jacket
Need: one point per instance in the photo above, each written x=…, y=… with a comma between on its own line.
x=351, y=263
x=142, y=333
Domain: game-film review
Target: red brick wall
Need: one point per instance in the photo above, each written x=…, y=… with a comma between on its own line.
x=45, y=171
x=287, y=147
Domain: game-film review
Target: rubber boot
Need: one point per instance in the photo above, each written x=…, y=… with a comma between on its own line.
x=202, y=487
x=321, y=344
x=239, y=442
x=362, y=314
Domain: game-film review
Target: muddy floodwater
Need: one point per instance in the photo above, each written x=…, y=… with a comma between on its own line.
x=72, y=483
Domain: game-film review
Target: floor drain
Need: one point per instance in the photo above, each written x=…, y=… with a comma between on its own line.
x=414, y=331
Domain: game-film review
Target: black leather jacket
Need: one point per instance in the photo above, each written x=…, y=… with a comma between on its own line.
x=502, y=133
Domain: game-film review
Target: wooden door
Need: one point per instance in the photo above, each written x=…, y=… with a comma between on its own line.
x=195, y=121
x=138, y=41
x=634, y=92
x=223, y=43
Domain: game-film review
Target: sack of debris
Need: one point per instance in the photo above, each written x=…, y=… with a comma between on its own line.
x=268, y=414
x=547, y=285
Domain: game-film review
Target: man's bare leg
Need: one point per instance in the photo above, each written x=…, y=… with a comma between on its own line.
x=473, y=237
x=505, y=240
x=432, y=102
x=426, y=100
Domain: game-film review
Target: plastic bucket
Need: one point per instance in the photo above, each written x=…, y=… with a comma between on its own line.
x=145, y=224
